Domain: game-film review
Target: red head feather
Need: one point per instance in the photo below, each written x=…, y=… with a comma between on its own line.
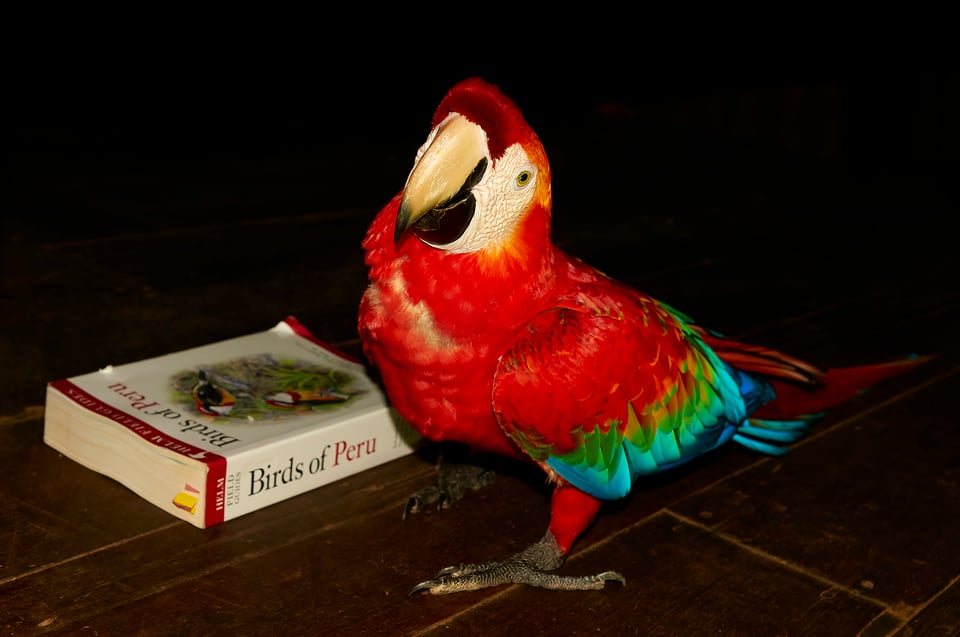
x=483, y=104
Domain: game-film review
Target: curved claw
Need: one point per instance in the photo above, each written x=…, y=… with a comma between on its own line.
x=612, y=576
x=427, y=495
x=424, y=586
x=412, y=506
x=453, y=571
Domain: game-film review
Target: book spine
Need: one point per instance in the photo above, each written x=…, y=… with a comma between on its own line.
x=212, y=491
x=264, y=476
x=215, y=504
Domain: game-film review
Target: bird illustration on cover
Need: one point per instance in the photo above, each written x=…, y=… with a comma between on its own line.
x=487, y=334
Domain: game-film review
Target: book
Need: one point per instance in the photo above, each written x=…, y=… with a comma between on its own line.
x=217, y=431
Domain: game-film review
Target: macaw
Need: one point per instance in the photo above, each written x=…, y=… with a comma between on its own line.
x=486, y=333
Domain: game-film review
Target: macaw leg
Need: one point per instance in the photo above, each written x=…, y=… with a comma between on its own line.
x=572, y=511
x=454, y=479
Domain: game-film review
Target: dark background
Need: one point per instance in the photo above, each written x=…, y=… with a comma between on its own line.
x=189, y=154
x=886, y=104
x=279, y=124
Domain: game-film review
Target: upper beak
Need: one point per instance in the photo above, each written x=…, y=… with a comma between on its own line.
x=452, y=163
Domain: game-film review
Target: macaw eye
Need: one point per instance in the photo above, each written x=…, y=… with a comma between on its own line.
x=524, y=178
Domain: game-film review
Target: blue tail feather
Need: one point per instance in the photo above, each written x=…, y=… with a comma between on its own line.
x=798, y=424
x=762, y=447
x=754, y=390
x=771, y=437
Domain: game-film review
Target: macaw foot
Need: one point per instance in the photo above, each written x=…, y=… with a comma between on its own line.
x=453, y=482
x=530, y=566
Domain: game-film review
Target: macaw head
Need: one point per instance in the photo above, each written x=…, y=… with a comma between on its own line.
x=480, y=183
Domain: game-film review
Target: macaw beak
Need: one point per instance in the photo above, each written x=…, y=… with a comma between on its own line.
x=437, y=198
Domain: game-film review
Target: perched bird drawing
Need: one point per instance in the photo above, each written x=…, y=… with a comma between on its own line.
x=211, y=397
x=306, y=398
x=486, y=333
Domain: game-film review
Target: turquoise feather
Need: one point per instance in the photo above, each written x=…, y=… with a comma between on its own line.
x=695, y=422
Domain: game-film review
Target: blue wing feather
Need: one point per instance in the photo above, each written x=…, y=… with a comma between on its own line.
x=681, y=400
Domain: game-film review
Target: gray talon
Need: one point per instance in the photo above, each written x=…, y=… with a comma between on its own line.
x=531, y=566
x=453, y=482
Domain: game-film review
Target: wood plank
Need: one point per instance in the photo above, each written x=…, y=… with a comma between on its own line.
x=132, y=568
x=940, y=617
x=684, y=581
x=310, y=535
x=871, y=504
x=882, y=626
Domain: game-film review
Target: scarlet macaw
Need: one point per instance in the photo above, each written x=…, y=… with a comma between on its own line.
x=487, y=334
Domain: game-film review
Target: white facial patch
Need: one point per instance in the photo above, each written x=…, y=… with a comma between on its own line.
x=502, y=197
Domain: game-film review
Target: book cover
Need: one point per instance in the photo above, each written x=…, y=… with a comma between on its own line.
x=217, y=431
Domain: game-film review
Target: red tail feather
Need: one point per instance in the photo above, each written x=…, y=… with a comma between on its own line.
x=801, y=388
x=835, y=388
x=761, y=360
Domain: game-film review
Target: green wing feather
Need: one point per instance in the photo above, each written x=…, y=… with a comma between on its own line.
x=602, y=393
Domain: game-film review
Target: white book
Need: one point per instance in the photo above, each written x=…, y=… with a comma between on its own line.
x=217, y=431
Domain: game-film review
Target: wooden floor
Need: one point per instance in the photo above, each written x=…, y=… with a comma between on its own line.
x=110, y=257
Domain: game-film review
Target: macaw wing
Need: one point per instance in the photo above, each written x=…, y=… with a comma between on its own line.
x=602, y=396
